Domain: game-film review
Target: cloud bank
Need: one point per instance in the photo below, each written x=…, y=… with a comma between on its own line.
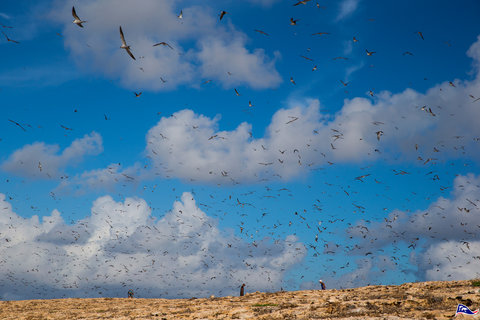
x=121, y=247
x=409, y=126
x=444, y=238
x=192, y=53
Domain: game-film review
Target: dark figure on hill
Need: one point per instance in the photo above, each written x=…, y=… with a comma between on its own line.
x=322, y=284
x=130, y=293
x=242, y=290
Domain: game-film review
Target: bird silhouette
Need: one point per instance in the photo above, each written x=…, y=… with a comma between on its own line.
x=124, y=44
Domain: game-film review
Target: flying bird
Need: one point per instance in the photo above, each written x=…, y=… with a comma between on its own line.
x=180, y=15
x=236, y=92
x=293, y=22
x=320, y=33
x=379, y=134
x=290, y=121
x=306, y=58
x=18, y=124
x=420, y=34
x=163, y=43
x=301, y=2
x=292, y=81
x=369, y=53
x=77, y=20
x=8, y=39
x=66, y=128
x=124, y=44
x=222, y=14
x=137, y=94
x=344, y=83
x=262, y=32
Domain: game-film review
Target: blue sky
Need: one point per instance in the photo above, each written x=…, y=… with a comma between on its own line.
x=271, y=159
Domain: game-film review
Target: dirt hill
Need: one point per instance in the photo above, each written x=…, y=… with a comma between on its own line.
x=425, y=300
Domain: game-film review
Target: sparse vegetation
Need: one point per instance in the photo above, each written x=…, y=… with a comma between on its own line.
x=265, y=305
x=432, y=300
x=476, y=282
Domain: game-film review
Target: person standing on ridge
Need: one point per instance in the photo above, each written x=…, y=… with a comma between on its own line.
x=322, y=284
x=242, y=290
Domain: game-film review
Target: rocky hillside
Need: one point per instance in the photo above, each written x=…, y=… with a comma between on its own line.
x=426, y=300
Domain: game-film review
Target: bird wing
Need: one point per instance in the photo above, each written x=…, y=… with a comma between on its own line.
x=74, y=14
x=123, y=39
x=130, y=53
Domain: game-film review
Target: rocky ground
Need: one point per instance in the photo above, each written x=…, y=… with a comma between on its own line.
x=425, y=300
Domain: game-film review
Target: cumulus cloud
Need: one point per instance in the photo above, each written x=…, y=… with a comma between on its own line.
x=121, y=247
x=444, y=237
x=43, y=161
x=233, y=64
x=409, y=126
x=190, y=58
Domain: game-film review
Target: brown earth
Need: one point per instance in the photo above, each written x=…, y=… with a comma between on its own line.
x=424, y=300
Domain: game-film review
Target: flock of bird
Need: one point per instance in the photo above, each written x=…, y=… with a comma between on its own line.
x=304, y=218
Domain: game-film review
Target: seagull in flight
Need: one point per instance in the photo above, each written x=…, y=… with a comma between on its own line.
x=222, y=14
x=8, y=39
x=124, y=44
x=261, y=32
x=180, y=16
x=301, y=2
x=17, y=124
x=77, y=20
x=163, y=43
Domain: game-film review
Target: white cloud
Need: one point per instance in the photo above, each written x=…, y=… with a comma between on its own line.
x=444, y=238
x=43, y=161
x=409, y=126
x=96, y=46
x=347, y=7
x=120, y=247
x=451, y=260
x=234, y=65
x=301, y=138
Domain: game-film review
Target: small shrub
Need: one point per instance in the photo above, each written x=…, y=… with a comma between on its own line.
x=265, y=305
x=476, y=282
